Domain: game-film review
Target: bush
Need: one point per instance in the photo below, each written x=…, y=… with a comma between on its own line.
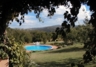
x=3, y=49
x=3, y=54
x=28, y=61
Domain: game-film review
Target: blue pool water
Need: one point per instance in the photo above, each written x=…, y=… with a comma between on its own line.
x=38, y=47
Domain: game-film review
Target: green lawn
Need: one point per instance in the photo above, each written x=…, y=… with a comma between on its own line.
x=60, y=57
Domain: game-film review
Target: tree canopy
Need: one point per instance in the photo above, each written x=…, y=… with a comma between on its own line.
x=11, y=9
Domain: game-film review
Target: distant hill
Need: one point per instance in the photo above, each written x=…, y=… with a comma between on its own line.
x=46, y=29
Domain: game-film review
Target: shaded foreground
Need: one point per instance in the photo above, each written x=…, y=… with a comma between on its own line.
x=61, y=57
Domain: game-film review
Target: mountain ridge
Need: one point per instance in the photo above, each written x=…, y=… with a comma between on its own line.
x=46, y=29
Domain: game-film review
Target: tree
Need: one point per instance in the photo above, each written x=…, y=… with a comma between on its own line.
x=10, y=9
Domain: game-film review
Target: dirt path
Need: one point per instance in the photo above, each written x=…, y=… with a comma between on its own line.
x=4, y=63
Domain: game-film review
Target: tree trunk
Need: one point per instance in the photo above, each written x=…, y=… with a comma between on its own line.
x=3, y=26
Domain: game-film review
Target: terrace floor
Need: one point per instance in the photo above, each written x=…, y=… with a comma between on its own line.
x=4, y=63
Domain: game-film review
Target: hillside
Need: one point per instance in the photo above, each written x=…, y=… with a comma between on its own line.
x=46, y=29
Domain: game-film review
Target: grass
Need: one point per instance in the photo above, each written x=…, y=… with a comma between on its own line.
x=60, y=57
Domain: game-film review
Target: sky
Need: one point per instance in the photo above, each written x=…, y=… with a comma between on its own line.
x=32, y=22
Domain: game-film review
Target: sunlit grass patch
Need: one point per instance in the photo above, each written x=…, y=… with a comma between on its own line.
x=62, y=57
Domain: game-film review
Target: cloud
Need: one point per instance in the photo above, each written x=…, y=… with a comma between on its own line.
x=32, y=22
x=30, y=19
x=62, y=9
x=83, y=13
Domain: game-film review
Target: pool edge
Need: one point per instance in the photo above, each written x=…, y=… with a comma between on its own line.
x=53, y=47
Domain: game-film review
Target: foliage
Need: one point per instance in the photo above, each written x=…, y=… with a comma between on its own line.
x=28, y=62
x=28, y=36
x=11, y=9
x=77, y=34
x=3, y=54
x=22, y=7
x=14, y=51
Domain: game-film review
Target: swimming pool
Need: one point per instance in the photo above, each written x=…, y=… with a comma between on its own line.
x=38, y=47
